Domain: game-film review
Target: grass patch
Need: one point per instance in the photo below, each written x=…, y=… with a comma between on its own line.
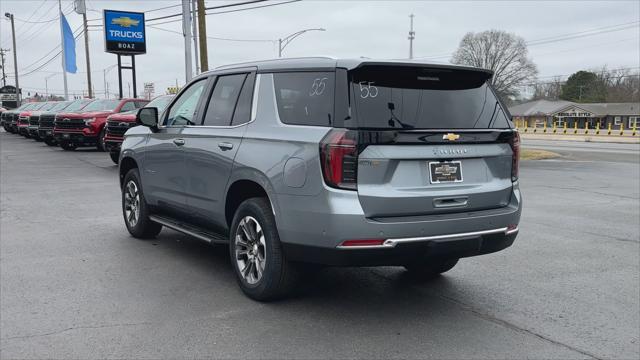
x=536, y=154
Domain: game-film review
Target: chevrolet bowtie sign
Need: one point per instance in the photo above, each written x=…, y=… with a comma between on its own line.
x=124, y=32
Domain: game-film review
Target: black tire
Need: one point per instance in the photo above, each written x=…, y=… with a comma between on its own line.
x=143, y=227
x=37, y=138
x=101, y=145
x=67, y=146
x=430, y=269
x=278, y=276
x=114, y=156
x=50, y=141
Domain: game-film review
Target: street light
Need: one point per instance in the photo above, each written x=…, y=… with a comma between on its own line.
x=283, y=42
x=104, y=78
x=46, y=85
x=15, y=56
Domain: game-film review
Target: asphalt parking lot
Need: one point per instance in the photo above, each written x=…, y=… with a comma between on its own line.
x=74, y=284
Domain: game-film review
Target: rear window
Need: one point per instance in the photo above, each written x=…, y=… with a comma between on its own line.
x=305, y=98
x=385, y=97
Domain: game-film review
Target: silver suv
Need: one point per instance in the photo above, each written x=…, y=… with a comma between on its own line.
x=332, y=162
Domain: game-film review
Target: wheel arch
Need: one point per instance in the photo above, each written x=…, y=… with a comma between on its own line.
x=244, y=185
x=126, y=163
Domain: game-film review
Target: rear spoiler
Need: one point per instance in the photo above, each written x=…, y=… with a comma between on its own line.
x=421, y=76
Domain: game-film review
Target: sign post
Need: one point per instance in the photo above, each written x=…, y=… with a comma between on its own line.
x=124, y=34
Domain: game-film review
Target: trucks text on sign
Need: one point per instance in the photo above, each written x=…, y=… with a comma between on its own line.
x=124, y=32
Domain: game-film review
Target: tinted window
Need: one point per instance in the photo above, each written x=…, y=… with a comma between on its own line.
x=305, y=98
x=242, y=114
x=183, y=111
x=424, y=98
x=223, y=100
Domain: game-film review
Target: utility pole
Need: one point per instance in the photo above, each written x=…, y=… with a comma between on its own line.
x=186, y=31
x=4, y=75
x=15, y=57
x=412, y=35
x=194, y=30
x=63, y=57
x=202, y=37
x=86, y=51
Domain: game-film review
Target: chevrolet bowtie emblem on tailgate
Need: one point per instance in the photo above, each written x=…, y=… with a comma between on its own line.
x=446, y=170
x=450, y=137
x=125, y=21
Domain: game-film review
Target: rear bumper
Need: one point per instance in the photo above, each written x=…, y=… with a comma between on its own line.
x=313, y=231
x=403, y=253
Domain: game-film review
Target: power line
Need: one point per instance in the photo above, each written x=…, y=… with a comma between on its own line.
x=52, y=50
x=212, y=37
x=235, y=10
x=562, y=37
x=208, y=8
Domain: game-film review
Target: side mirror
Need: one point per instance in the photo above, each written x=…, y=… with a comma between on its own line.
x=148, y=116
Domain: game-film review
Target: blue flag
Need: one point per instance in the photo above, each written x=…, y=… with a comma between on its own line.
x=69, y=46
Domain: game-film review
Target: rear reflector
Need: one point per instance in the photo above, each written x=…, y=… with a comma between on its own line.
x=363, y=242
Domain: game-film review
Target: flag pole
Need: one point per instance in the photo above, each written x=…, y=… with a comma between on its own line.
x=64, y=64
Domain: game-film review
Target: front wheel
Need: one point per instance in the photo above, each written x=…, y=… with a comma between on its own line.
x=68, y=146
x=135, y=210
x=101, y=143
x=430, y=269
x=262, y=271
x=114, y=155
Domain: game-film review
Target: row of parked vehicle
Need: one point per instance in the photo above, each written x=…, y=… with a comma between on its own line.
x=79, y=123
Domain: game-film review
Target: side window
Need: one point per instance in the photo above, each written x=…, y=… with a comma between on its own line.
x=242, y=115
x=128, y=106
x=223, y=100
x=183, y=111
x=139, y=104
x=305, y=98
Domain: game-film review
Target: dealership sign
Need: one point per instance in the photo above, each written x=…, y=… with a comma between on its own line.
x=124, y=32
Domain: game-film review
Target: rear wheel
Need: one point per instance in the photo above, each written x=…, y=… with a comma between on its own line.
x=135, y=210
x=66, y=145
x=101, y=144
x=114, y=155
x=430, y=269
x=262, y=271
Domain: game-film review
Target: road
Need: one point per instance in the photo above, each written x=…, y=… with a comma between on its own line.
x=74, y=284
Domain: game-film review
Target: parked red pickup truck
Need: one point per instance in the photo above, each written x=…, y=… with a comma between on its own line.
x=72, y=130
x=23, y=118
x=118, y=124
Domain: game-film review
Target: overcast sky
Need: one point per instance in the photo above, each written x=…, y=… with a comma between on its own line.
x=376, y=29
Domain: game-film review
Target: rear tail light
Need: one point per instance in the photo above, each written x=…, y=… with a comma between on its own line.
x=515, y=162
x=339, y=159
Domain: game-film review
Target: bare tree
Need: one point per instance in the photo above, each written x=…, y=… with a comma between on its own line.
x=621, y=85
x=548, y=90
x=503, y=53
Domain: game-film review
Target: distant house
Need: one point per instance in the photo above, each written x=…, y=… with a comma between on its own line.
x=537, y=113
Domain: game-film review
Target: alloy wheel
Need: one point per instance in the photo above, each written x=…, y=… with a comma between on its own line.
x=131, y=203
x=250, y=250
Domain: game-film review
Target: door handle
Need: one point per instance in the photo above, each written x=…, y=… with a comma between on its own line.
x=225, y=146
x=178, y=142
